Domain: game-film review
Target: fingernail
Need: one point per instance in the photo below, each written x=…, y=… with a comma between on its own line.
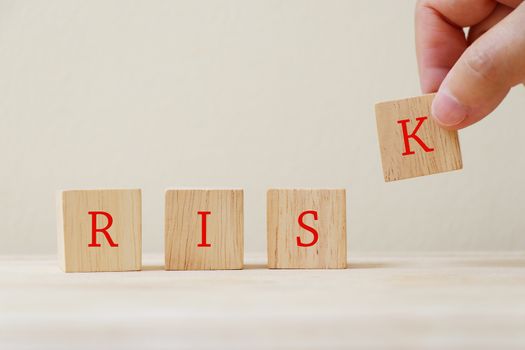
x=447, y=110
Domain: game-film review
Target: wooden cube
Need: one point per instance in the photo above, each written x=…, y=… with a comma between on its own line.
x=204, y=229
x=306, y=229
x=412, y=143
x=100, y=230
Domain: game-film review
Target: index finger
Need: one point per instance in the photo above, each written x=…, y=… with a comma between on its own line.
x=440, y=39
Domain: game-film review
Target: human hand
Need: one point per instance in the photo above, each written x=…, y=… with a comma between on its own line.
x=471, y=73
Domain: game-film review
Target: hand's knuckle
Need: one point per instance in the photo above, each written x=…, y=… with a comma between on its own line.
x=423, y=3
x=482, y=64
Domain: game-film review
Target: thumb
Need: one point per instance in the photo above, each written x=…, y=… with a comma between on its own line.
x=484, y=74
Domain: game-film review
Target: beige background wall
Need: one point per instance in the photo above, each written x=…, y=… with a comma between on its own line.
x=245, y=93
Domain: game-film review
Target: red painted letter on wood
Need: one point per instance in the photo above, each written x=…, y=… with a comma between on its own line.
x=413, y=135
x=307, y=228
x=104, y=230
x=203, y=229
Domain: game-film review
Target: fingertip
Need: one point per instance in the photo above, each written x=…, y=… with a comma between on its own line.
x=447, y=110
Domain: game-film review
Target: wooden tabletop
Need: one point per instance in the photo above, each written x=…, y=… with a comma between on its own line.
x=445, y=301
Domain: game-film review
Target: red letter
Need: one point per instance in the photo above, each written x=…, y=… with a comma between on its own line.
x=413, y=135
x=104, y=230
x=307, y=228
x=203, y=229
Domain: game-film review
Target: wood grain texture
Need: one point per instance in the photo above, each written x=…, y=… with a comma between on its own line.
x=446, y=155
x=74, y=230
x=452, y=301
x=283, y=209
x=224, y=229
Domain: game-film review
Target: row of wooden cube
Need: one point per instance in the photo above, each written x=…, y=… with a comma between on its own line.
x=101, y=230
x=204, y=228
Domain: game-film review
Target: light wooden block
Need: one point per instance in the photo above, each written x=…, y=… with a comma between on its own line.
x=286, y=235
x=75, y=230
x=224, y=225
x=436, y=151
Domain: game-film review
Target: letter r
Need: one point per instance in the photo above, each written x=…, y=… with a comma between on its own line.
x=103, y=230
